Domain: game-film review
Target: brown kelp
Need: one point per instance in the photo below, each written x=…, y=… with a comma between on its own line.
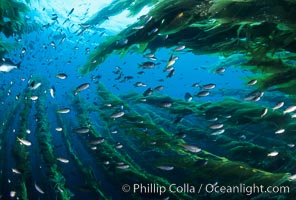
x=119, y=164
x=7, y=122
x=89, y=179
x=146, y=127
x=12, y=18
x=5, y=47
x=142, y=134
x=207, y=26
x=217, y=27
x=239, y=124
x=44, y=138
x=21, y=152
x=11, y=22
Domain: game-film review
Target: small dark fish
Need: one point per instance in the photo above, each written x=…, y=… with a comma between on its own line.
x=220, y=70
x=23, y=50
x=149, y=55
x=188, y=97
x=140, y=84
x=46, y=25
x=191, y=148
x=122, y=166
x=254, y=96
x=138, y=27
x=63, y=160
x=84, y=25
x=152, y=31
x=165, y=104
x=119, y=77
x=97, y=141
x=218, y=132
x=38, y=188
x=180, y=135
x=54, y=18
x=52, y=43
x=62, y=40
x=178, y=119
x=118, y=146
x=81, y=87
x=216, y=126
x=143, y=99
x=143, y=17
x=208, y=86
x=66, y=21
x=213, y=119
x=34, y=85
x=173, y=58
x=62, y=76
x=278, y=105
x=64, y=110
x=148, y=92
x=172, y=72
x=171, y=61
x=195, y=84
x=252, y=82
x=117, y=115
x=180, y=48
x=202, y=94
x=71, y=11
x=263, y=112
x=147, y=65
x=165, y=167
x=121, y=42
x=81, y=130
x=168, y=69
x=128, y=77
x=158, y=88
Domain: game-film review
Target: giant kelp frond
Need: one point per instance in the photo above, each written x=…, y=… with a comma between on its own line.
x=258, y=29
x=100, y=54
x=11, y=19
x=204, y=29
x=142, y=36
x=6, y=47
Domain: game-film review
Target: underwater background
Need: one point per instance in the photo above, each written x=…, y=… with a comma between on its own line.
x=148, y=99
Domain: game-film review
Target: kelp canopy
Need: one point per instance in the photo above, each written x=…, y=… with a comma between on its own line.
x=264, y=31
x=12, y=21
